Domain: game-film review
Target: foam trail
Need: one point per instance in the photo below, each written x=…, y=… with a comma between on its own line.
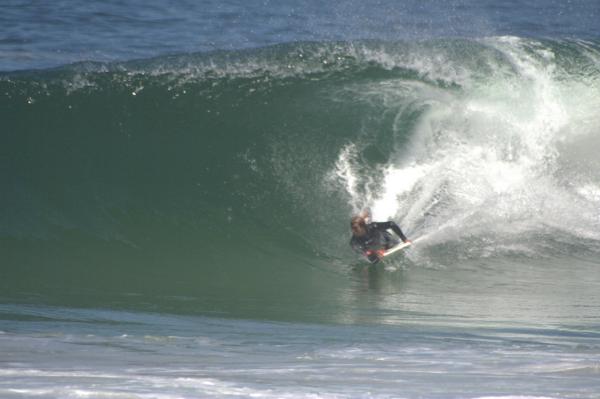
x=490, y=159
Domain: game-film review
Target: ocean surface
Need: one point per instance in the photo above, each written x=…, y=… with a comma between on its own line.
x=177, y=180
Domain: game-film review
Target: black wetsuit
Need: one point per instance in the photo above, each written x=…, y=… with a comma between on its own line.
x=376, y=238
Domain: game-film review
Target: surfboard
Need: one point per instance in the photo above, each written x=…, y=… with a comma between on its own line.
x=396, y=248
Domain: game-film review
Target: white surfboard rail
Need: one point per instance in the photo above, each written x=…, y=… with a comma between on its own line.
x=397, y=248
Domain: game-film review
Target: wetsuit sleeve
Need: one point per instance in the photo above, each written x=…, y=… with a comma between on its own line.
x=362, y=250
x=382, y=226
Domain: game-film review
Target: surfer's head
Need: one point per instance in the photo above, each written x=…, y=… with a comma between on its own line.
x=358, y=225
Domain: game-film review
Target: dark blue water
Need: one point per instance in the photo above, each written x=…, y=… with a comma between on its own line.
x=177, y=178
x=38, y=34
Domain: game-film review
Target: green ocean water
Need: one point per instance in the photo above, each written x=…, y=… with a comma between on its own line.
x=223, y=182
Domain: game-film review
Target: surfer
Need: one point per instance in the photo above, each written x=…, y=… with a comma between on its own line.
x=372, y=239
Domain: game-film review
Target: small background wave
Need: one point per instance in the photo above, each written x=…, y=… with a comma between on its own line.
x=39, y=35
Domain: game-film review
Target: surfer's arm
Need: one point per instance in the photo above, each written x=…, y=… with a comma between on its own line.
x=372, y=256
x=394, y=227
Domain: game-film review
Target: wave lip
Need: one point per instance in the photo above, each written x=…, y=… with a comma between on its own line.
x=493, y=158
x=36, y=36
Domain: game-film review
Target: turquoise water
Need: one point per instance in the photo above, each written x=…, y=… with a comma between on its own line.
x=176, y=225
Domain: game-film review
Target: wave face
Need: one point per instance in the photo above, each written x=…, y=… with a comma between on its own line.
x=235, y=173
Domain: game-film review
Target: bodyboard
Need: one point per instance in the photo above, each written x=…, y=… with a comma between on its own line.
x=396, y=248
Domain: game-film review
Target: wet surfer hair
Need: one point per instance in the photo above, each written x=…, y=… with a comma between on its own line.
x=358, y=220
